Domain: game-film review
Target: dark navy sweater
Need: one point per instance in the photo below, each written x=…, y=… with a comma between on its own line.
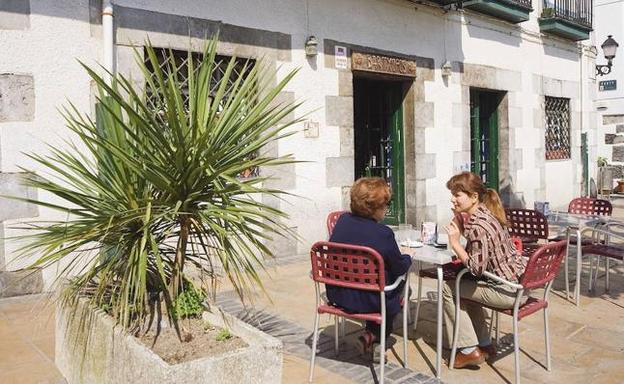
x=356, y=230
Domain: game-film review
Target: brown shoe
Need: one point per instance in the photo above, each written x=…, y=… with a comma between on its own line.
x=489, y=351
x=473, y=358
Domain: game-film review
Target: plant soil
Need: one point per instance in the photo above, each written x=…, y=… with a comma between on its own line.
x=203, y=344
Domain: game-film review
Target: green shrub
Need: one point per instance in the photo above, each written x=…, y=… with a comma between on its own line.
x=223, y=335
x=190, y=303
x=150, y=185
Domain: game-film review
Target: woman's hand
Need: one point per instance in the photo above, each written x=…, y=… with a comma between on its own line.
x=453, y=232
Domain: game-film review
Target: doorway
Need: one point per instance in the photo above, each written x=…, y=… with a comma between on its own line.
x=379, y=138
x=484, y=135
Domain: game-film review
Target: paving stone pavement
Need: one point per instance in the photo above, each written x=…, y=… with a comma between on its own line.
x=588, y=340
x=298, y=341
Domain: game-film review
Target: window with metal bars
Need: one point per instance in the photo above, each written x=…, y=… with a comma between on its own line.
x=557, y=128
x=179, y=60
x=168, y=60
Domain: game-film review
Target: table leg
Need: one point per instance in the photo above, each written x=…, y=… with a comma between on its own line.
x=579, y=266
x=439, y=334
x=565, y=265
x=418, y=267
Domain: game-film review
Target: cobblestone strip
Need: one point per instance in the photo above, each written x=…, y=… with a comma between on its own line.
x=298, y=340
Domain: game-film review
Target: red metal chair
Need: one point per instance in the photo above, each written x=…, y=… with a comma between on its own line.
x=602, y=246
x=583, y=206
x=449, y=272
x=528, y=225
x=541, y=271
x=332, y=218
x=590, y=206
x=358, y=267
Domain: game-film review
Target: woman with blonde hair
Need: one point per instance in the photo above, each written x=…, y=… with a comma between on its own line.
x=370, y=197
x=480, y=218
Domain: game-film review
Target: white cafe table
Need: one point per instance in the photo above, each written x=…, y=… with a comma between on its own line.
x=566, y=223
x=437, y=257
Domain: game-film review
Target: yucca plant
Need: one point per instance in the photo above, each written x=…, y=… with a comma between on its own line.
x=151, y=188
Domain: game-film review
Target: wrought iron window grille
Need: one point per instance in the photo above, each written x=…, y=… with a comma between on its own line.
x=557, y=138
x=178, y=60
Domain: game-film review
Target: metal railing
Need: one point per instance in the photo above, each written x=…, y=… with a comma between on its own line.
x=576, y=11
x=528, y=4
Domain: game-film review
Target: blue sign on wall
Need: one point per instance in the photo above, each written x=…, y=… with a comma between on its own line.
x=607, y=85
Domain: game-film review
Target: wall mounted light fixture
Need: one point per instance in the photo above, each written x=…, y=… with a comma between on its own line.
x=447, y=69
x=609, y=47
x=311, y=46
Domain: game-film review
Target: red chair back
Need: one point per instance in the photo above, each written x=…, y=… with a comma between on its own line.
x=349, y=266
x=332, y=218
x=517, y=242
x=590, y=206
x=527, y=224
x=543, y=265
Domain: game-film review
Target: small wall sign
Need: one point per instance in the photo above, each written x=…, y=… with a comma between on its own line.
x=340, y=57
x=607, y=85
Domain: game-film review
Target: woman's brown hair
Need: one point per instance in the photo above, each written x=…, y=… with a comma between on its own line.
x=470, y=183
x=368, y=195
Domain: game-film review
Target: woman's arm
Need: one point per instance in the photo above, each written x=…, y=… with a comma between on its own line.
x=397, y=263
x=477, y=260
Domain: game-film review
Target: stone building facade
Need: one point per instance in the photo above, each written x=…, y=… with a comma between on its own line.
x=609, y=20
x=456, y=74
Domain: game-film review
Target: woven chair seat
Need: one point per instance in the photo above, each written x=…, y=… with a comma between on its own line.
x=612, y=251
x=449, y=271
x=572, y=240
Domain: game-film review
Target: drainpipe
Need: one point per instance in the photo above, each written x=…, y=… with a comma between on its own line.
x=108, y=38
x=584, y=183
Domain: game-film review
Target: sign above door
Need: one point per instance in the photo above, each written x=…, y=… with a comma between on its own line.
x=382, y=64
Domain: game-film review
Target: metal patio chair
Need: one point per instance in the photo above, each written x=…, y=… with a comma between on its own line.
x=602, y=247
x=541, y=271
x=449, y=272
x=529, y=225
x=583, y=206
x=358, y=267
x=332, y=218
x=590, y=206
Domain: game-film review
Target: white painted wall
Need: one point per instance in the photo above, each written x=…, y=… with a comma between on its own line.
x=49, y=51
x=60, y=33
x=609, y=20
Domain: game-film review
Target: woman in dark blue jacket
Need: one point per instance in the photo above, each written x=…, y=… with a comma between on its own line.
x=362, y=226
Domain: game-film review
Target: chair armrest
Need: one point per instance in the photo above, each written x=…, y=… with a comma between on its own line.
x=396, y=283
x=609, y=227
x=492, y=276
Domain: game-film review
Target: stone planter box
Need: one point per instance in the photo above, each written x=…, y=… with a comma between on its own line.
x=112, y=356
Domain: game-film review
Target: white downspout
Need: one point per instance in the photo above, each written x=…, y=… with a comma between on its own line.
x=584, y=192
x=108, y=39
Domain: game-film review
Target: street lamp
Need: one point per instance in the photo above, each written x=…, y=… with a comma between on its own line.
x=608, y=47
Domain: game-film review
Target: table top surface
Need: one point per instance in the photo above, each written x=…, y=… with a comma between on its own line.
x=575, y=219
x=429, y=254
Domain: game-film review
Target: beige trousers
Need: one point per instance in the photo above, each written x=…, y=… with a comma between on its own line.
x=473, y=329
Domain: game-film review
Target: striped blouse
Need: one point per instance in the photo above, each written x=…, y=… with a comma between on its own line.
x=490, y=248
